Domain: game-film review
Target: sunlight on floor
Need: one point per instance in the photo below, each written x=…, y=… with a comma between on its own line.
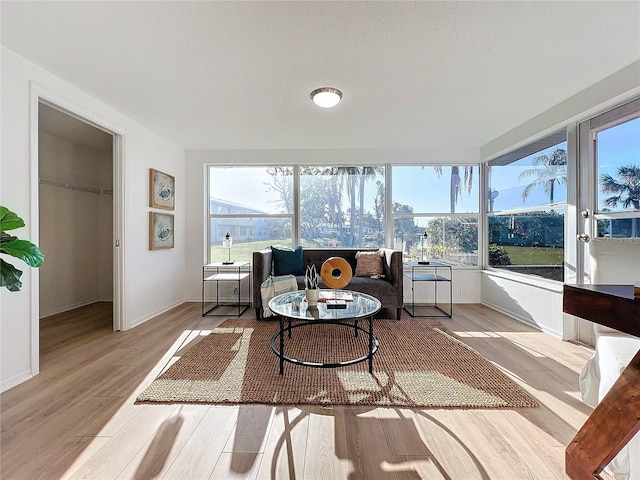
x=129, y=410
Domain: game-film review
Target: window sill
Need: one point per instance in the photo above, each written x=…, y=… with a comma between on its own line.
x=543, y=283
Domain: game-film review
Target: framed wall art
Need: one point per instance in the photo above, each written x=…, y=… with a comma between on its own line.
x=161, y=190
x=160, y=230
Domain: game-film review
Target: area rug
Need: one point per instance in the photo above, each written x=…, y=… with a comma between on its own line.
x=418, y=364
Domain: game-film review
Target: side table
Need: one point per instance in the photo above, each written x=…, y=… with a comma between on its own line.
x=236, y=273
x=436, y=273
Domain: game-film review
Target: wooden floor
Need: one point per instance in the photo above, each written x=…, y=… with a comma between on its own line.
x=77, y=418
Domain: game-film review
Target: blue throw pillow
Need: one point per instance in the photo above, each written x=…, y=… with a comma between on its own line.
x=287, y=261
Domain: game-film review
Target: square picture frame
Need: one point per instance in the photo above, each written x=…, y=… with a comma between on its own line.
x=161, y=190
x=161, y=230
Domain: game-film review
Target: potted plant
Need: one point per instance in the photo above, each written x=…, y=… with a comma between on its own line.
x=11, y=245
x=311, y=291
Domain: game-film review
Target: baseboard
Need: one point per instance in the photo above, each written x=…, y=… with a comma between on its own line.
x=66, y=308
x=16, y=379
x=154, y=314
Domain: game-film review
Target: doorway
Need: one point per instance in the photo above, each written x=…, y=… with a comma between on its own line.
x=76, y=205
x=608, y=184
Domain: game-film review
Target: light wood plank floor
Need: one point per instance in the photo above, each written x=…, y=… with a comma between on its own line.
x=77, y=418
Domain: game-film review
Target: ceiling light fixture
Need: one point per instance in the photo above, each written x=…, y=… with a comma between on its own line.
x=326, y=97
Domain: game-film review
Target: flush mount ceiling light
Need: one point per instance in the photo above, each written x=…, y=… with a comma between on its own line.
x=326, y=97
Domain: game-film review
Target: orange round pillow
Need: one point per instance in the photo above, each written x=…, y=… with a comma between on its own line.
x=336, y=272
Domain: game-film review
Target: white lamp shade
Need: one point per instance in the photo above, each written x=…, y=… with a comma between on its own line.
x=227, y=241
x=326, y=97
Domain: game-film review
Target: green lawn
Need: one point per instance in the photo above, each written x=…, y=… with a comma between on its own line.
x=243, y=251
x=518, y=255
x=535, y=255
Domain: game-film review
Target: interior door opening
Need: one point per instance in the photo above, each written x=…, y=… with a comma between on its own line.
x=76, y=206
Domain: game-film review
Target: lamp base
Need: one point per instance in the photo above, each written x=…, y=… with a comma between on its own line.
x=423, y=262
x=228, y=263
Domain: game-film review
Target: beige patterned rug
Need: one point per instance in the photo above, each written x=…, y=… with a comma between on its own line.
x=419, y=364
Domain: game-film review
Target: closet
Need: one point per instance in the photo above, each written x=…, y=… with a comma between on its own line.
x=75, y=169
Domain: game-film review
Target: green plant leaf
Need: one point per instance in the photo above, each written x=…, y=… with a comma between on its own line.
x=9, y=220
x=25, y=251
x=10, y=276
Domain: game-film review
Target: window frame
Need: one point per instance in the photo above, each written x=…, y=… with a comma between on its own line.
x=389, y=218
x=609, y=119
x=210, y=216
x=389, y=200
x=537, y=145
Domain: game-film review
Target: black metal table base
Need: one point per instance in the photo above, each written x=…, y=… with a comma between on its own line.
x=279, y=338
x=444, y=314
x=241, y=309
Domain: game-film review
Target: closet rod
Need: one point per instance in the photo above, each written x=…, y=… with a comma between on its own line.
x=80, y=188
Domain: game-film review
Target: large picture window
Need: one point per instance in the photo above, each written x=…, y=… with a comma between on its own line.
x=254, y=205
x=342, y=206
x=328, y=206
x=441, y=201
x=526, y=208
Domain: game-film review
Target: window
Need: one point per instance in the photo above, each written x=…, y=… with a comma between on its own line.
x=254, y=205
x=442, y=201
x=346, y=206
x=342, y=206
x=338, y=207
x=526, y=208
x=617, y=149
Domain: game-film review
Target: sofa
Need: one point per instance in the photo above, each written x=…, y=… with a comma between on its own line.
x=388, y=288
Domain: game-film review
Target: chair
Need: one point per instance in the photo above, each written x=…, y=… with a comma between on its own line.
x=613, y=262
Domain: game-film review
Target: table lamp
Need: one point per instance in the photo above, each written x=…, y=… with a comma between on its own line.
x=423, y=243
x=227, y=242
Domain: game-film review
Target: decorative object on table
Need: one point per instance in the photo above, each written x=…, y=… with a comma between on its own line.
x=311, y=290
x=26, y=251
x=423, y=245
x=336, y=272
x=227, y=242
x=161, y=190
x=418, y=365
x=160, y=230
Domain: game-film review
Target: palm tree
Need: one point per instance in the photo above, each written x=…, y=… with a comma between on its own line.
x=548, y=170
x=627, y=190
x=456, y=186
x=355, y=178
x=366, y=173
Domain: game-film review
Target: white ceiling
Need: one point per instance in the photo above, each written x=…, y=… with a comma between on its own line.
x=237, y=75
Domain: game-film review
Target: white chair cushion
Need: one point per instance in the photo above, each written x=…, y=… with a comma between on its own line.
x=614, y=351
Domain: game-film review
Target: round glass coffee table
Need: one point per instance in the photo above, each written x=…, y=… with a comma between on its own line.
x=294, y=312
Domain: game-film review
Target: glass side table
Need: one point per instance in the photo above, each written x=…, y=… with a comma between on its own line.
x=435, y=273
x=235, y=273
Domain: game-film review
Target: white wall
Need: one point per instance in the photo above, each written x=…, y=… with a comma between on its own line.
x=152, y=279
x=464, y=288
x=196, y=162
x=535, y=302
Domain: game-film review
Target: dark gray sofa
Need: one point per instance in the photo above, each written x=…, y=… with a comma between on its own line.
x=387, y=289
